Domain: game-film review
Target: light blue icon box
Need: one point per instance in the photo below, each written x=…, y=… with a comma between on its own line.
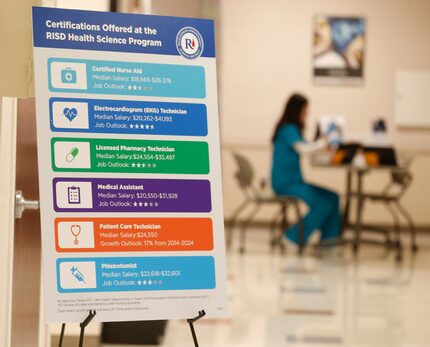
x=128, y=274
x=129, y=78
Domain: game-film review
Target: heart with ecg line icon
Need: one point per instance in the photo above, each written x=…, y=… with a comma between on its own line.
x=70, y=113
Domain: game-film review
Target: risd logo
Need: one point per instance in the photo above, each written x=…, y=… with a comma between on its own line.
x=189, y=43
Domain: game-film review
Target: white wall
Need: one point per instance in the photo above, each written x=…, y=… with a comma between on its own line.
x=93, y=5
x=266, y=47
x=16, y=48
x=266, y=50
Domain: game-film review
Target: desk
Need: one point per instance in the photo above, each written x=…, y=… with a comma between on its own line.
x=358, y=193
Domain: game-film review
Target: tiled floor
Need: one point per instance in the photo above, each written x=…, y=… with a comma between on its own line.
x=275, y=300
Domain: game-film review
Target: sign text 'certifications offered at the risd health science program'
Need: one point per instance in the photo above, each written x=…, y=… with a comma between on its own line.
x=129, y=166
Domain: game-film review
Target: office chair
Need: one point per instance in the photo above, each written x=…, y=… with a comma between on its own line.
x=401, y=178
x=257, y=197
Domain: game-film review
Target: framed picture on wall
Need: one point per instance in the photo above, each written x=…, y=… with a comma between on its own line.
x=338, y=50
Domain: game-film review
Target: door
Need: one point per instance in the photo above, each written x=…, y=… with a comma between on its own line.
x=27, y=252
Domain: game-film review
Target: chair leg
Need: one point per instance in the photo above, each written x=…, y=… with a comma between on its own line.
x=274, y=237
x=398, y=242
x=412, y=229
x=234, y=217
x=358, y=213
x=245, y=225
x=284, y=226
x=301, y=229
x=396, y=226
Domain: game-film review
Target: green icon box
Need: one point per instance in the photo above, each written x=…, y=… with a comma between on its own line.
x=129, y=156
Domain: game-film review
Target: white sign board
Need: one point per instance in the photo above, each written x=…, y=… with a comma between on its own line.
x=129, y=166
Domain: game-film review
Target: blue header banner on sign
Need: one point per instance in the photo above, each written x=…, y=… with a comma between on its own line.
x=119, y=32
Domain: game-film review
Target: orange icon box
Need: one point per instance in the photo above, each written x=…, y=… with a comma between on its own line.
x=133, y=234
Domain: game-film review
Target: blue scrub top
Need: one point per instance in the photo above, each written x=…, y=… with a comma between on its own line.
x=286, y=169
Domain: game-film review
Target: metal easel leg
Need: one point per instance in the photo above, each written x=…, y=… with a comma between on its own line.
x=63, y=328
x=191, y=321
x=83, y=326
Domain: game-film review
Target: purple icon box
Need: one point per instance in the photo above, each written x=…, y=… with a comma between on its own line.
x=134, y=195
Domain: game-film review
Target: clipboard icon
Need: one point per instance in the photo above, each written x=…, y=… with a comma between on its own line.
x=74, y=195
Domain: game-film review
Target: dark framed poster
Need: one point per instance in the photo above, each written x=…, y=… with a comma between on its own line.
x=338, y=49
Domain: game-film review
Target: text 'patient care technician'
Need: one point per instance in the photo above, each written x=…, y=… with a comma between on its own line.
x=287, y=178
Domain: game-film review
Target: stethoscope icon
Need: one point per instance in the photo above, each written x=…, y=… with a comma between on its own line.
x=75, y=229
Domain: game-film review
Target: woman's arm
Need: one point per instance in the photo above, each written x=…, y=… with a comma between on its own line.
x=303, y=147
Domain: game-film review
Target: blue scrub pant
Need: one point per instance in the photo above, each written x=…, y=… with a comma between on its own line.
x=323, y=214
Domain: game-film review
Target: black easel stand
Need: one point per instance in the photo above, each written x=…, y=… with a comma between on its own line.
x=91, y=315
x=63, y=328
x=202, y=313
x=82, y=325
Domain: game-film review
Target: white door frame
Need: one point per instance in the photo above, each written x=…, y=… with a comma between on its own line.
x=8, y=117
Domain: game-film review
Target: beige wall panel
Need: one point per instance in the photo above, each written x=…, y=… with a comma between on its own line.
x=16, y=48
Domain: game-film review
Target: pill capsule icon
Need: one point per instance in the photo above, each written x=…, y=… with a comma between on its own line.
x=72, y=154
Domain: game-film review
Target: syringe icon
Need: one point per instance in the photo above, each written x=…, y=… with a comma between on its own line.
x=77, y=274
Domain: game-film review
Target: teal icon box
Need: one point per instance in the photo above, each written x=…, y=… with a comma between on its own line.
x=127, y=78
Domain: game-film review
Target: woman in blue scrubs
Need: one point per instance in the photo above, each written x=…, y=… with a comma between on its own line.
x=287, y=179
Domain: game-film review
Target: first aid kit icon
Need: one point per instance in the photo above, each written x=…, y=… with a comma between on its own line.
x=68, y=75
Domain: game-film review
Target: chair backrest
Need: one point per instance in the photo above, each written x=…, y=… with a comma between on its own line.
x=245, y=172
x=401, y=179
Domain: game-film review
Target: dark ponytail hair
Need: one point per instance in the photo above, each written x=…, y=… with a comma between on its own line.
x=292, y=112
